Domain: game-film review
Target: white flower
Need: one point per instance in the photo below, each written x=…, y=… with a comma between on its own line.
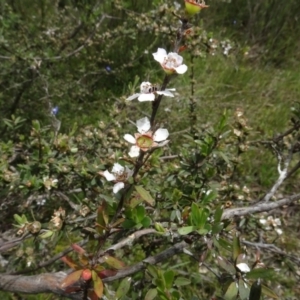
x=171, y=63
x=243, y=267
x=271, y=223
x=119, y=175
x=148, y=91
x=145, y=139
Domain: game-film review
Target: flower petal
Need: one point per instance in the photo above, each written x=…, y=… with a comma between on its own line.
x=128, y=171
x=117, y=168
x=146, y=97
x=160, y=55
x=160, y=135
x=109, y=176
x=118, y=186
x=181, y=69
x=243, y=267
x=143, y=125
x=129, y=138
x=133, y=97
x=165, y=93
x=134, y=151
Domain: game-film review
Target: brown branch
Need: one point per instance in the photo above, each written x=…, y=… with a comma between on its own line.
x=51, y=282
x=259, y=207
x=152, y=260
x=36, y=284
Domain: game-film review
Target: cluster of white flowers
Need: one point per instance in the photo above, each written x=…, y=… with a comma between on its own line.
x=146, y=139
x=271, y=224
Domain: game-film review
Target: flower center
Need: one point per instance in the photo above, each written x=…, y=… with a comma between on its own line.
x=121, y=176
x=144, y=141
x=170, y=62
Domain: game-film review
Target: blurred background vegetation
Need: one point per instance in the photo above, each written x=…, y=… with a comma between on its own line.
x=87, y=56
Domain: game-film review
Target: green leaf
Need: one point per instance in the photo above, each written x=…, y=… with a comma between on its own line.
x=145, y=195
x=186, y=230
x=195, y=214
x=180, y=281
x=140, y=213
x=102, y=217
x=18, y=219
x=123, y=288
x=232, y=291
x=153, y=271
x=217, y=228
x=221, y=243
x=236, y=247
x=146, y=222
x=169, y=278
x=226, y=265
x=209, y=197
x=159, y=228
x=46, y=234
x=218, y=214
x=243, y=290
x=114, y=262
x=255, y=291
x=151, y=294
x=260, y=273
x=98, y=284
x=128, y=224
x=135, y=202
x=267, y=291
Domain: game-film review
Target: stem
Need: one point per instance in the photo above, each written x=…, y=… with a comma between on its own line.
x=193, y=115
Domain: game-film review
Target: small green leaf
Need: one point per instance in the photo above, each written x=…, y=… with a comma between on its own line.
x=153, y=271
x=114, y=262
x=236, y=247
x=46, y=234
x=123, y=288
x=217, y=228
x=98, y=284
x=232, y=291
x=169, y=278
x=140, y=213
x=243, y=290
x=196, y=215
x=146, y=222
x=159, y=228
x=186, y=230
x=145, y=195
x=18, y=219
x=180, y=281
x=151, y=294
x=218, y=214
x=221, y=243
x=226, y=265
x=267, y=291
x=260, y=273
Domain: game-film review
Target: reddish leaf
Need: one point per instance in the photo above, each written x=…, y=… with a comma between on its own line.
x=107, y=273
x=72, y=289
x=98, y=284
x=114, y=262
x=70, y=262
x=92, y=295
x=78, y=249
x=71, y=278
